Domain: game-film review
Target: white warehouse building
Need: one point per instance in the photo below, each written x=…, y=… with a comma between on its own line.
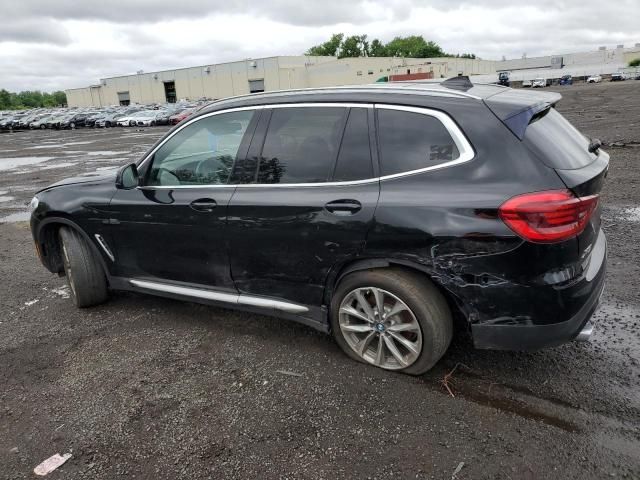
x=265, y=74
x=286, y=72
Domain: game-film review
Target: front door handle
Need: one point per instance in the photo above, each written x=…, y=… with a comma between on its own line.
x=203, y=205
x=343, y=207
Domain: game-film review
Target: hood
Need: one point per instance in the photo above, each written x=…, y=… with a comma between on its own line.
x=97, y=178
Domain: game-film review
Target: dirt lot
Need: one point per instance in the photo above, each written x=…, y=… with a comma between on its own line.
x=144, y=387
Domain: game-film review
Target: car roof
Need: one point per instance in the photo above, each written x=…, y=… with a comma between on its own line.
x=453, y=88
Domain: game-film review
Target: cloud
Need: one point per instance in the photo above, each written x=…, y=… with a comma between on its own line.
x=34, y=31
x=64, y=44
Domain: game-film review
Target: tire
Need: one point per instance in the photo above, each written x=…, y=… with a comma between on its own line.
x=427, y=314
x=42, y=127
x=107, y=124
x=72, y=126
x=85, y=275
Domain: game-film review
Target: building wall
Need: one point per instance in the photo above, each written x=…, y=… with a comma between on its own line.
x=287, y=72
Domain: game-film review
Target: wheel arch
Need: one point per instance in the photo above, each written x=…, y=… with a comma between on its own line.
x=334, y=278
x=50, y=247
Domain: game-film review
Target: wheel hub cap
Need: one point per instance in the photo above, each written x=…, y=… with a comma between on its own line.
x=380, y=328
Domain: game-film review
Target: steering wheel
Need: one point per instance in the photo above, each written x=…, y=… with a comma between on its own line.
x=200, y=170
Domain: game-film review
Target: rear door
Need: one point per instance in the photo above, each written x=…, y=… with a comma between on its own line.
x=306, y=199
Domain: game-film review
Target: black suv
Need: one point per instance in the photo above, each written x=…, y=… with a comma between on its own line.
x=378, y=213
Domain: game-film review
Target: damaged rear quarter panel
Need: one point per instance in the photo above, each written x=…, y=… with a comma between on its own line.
x=446, y=222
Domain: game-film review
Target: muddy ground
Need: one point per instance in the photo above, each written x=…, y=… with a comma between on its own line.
x=145, y=387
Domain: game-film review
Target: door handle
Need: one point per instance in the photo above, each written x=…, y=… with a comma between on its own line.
x=343, y=207
x=203, y=205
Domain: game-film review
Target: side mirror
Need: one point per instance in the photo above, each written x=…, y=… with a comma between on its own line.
x=127, y=177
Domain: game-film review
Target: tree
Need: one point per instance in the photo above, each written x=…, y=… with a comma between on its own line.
x=377, y=49
x=31, y=99
x=328, y=48
x=414, y=46
x=635, y=62
x=354, y=46
x=5, y=100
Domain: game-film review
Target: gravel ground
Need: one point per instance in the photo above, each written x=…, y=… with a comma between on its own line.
x=145, y=387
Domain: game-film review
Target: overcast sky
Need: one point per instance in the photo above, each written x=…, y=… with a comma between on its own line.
x=58, y=44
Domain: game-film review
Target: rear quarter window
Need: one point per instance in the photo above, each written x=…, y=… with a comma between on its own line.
x=558, y=143
x=410, y=141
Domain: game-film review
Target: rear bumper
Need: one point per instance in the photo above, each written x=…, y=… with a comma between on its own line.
x=537, y=336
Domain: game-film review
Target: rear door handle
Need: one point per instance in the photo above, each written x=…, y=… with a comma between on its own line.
x=343, y=207
x=203, y=205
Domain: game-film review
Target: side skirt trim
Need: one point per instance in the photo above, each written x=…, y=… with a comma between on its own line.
x=239, y=299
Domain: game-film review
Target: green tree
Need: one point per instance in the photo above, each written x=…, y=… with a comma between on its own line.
x=31, y=99
x=635, y=62
x=377, y=49
x=328, y=48
x=5, y=100
x=354, y=46
x=59, y=97
x=414, y=46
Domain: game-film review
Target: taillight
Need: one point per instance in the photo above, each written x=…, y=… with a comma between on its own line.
x=547, y=217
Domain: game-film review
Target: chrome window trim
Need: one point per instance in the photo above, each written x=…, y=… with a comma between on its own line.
x=464, y=147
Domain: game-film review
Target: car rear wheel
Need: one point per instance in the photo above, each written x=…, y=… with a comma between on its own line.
x=393, y=319
x=86, y=278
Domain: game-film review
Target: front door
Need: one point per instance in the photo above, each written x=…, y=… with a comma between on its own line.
x=173, y=226
x=307, y=201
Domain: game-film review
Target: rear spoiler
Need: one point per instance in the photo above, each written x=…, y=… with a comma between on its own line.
x=516, y=108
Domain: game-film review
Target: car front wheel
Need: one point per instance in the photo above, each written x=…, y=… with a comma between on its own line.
x=393, y=319
x=85, y=275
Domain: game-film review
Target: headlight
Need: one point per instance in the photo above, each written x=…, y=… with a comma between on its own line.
x=34, y=204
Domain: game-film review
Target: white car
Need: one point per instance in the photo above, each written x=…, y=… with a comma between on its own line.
x=594, y=79
x=526, y=83
x=130, y=120
x=147, y=118
x=539, y=83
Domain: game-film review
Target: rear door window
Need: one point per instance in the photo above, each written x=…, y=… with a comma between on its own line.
x=558, y=143
x=301, y=144
x=411, y=141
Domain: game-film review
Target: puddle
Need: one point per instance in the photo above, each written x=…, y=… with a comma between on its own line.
x=631, y=214
x=59, y=165
x=107, y=152
x=506, y=399
x=86, y=142
x=11, y=163
x=16, y=217
x=6, y=199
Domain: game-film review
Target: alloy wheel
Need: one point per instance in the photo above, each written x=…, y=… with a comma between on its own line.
x=380, y=328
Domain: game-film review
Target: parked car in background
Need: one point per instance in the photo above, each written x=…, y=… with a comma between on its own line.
x=395, y=230
x=619, y=77
x=594, y=79
x=178, y=117
x=108, y=120
x=526, y=83
x=539, y=83
x=566, y=80
x=41, y=123
x=149, y=118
